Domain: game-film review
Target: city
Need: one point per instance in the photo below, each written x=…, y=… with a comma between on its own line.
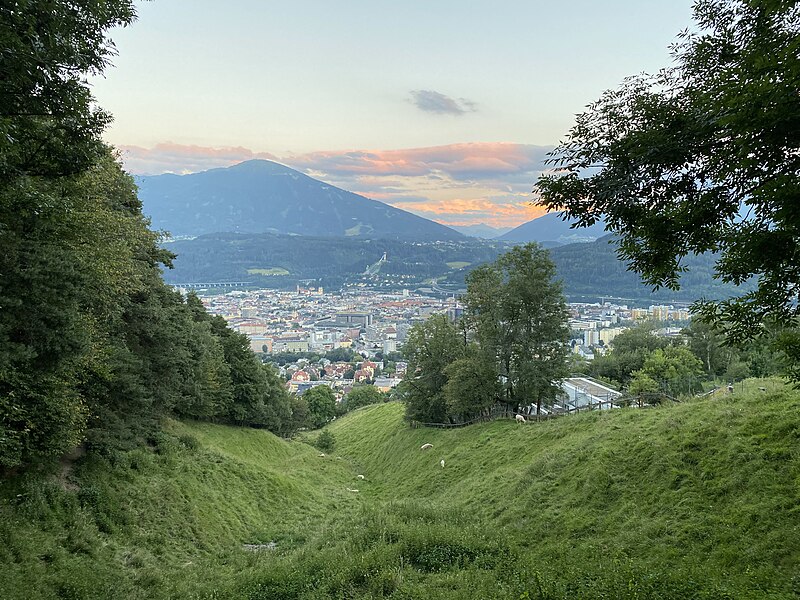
x=371, y=326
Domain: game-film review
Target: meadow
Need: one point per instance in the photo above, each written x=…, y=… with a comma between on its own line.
x=693, y=500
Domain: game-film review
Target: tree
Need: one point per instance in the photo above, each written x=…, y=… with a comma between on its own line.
x=321, y=405
x=49, y=125
x=629, y=350
x=519, y=316
x=363, y=395
x=325, y=441
x=49, y=140
x=675, y=368
x=299, y=415
x=708, y=345
x=702, y=157
x=430, y=347
x=472, y=385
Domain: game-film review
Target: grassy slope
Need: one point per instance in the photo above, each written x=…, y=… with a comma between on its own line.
x=168, y=521
x=696, y=500
x=712, y=487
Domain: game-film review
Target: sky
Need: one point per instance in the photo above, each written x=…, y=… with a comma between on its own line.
x=446, y=109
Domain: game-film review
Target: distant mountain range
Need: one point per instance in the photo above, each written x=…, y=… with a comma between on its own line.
x=481, y=230
x=261, y=196
x=551, y=230
x=269, y=260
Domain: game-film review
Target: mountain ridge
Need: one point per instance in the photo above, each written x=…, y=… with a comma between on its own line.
x=552, y=229
x=260, y=196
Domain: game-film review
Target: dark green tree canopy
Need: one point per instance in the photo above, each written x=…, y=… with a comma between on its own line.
x=321, y=405
x=517, y=311
x=510, y=347
x=48, y=122
x=704, y=156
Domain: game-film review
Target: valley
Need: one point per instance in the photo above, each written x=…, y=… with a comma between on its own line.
x=693, y=500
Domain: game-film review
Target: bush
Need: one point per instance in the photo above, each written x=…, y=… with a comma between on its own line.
x=325, y=441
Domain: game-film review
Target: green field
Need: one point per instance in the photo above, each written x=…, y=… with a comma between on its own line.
x=697, y=500
x=458, y=264
x=272, y=271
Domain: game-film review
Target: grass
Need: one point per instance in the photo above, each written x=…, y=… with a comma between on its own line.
x=697, y=500
x=458, y=264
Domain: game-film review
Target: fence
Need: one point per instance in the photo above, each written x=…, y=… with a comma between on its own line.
x=498, y=412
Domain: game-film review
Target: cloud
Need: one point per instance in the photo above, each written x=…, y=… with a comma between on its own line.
x=460, y=161
x=493, y=211
x=178, y=158
x=456, y=184
x=437, y=103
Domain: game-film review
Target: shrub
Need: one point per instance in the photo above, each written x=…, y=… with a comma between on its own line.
x=325, y=441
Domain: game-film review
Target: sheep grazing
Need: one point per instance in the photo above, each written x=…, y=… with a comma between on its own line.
x=322, y=455
x=426, y=446
x=352, y=490
x=359, y=477
x=441, y=462
x=520, y=419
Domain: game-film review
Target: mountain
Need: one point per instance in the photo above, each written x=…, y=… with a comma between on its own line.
x=481, y=230
x=275, y=260
x=551, y=230
x=260, y=196
x=593, y=269
x=589, y=269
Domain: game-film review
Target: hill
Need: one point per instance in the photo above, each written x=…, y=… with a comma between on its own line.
x=551, y=230
x=698, y=500
x=269, y=260
x=481, y=230
x=592, y=269
x=260, y=196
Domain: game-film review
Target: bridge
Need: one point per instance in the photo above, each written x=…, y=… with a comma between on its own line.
x=221, y=284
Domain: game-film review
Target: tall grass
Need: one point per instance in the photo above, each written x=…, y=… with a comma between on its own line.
x=697, y=500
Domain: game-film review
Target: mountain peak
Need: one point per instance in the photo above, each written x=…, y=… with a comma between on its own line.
x=261, y=196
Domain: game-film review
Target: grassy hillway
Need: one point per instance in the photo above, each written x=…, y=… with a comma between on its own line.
x=699, y=500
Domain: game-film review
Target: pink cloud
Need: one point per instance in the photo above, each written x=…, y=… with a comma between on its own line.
x=466, y=211
x=476, y=160
x=481, y=182
x=178, y=158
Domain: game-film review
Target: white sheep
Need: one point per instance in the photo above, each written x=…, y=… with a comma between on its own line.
x=441, y=462
x=322, y=455
x=352, y=490
x=426, y=446
x=520, y=419
x=359, y=477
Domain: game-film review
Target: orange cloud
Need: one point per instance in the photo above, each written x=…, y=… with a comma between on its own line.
x=469, y=183
x=468, y=211
x=459, y=160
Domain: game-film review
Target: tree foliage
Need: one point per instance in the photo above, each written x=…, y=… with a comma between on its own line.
x=518, y=313
x=430, y=347
x=93, y=345
x=511, y=345
x=363, y=395
x=702, y=156
x=674, y=367
x=321, y=405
